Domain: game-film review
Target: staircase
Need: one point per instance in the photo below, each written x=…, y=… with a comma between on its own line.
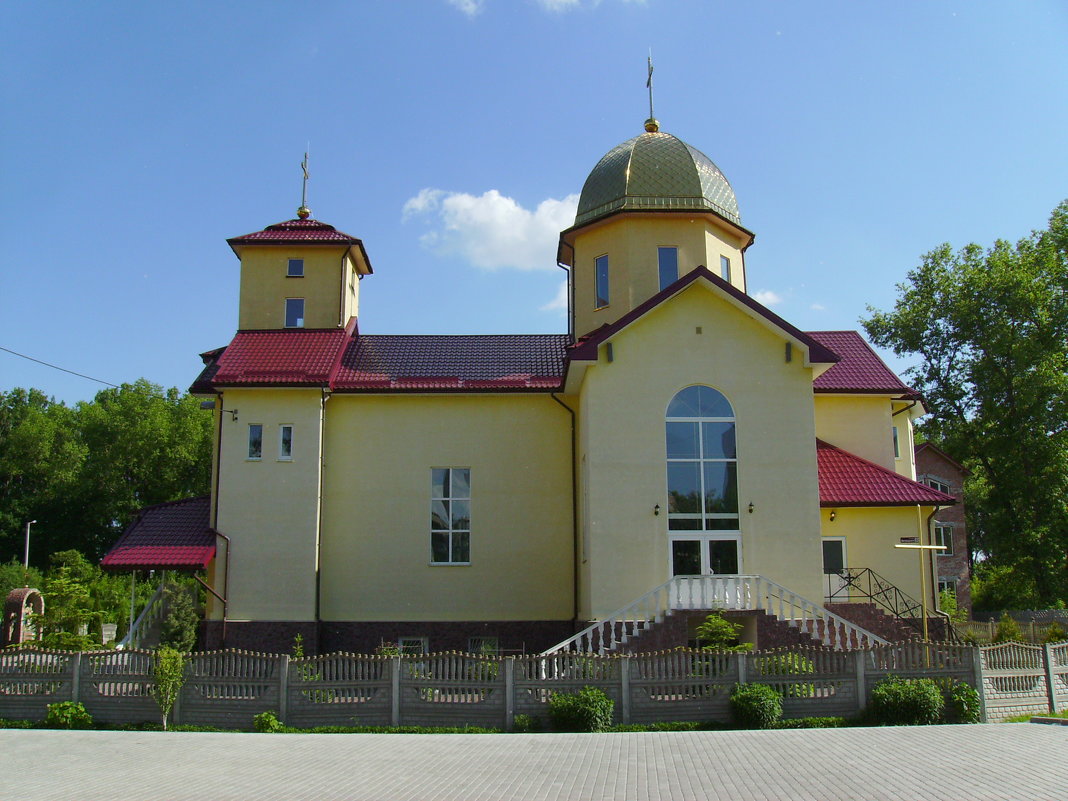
x=871, y=617
x=145, y=631
x=748, y=593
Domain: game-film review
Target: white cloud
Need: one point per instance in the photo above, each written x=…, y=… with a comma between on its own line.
x=767, y=297
x=818, y=307
x=558, y=303
x=471, y=8
x=559, y=5
x=491, y=230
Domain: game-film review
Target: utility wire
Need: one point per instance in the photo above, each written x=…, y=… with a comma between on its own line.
x=57, y=367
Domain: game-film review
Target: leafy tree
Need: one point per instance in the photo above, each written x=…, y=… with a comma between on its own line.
x=716, y=633
x=182, y=619
x=169, y=673
x=991, y=330
x=13, y=575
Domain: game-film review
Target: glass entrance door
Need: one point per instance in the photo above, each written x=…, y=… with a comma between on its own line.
x=834, y=565
x=697, y=557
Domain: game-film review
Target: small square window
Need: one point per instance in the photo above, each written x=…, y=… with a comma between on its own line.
x=285, y=443
x=413, y=646
x=601, y=264
x=725, y=268
x=668, y=265
x=947, y=585
x=255, y=441
x=294, y=312
x=296, y=268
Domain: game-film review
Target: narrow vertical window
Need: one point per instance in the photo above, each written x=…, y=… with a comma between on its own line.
x=602, y=282
x=294, y=312
x=450, y=515
x=255, y=441
x=943, y=535
x=897, y=444
x=296, y=268
x=285, y=442
x=668, y=264
x=725, y=268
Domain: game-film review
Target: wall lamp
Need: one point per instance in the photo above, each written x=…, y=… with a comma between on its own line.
x=656, y=510
x=751, y=507
x=834, y=514
x=211, y=405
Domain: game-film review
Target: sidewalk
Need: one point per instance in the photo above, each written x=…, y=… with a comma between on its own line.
x=1004, y=761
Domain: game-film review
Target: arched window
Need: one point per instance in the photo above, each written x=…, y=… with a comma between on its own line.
x=702, y=482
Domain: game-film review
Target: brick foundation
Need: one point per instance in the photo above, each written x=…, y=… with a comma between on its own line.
x=513, y=636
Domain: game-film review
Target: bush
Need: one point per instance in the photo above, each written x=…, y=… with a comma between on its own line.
x=716, y=633
x=524, y=724
x=169, y=673
x=1055, y=633
x=588, y=710
x=962, y=704
x=1008, y=629
x=814, y=723
x=267, y=723
x=68, y=715
x=906, y=702
x=755, y=706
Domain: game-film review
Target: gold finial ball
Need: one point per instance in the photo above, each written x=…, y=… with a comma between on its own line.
x=652, y=125
x=304, y=212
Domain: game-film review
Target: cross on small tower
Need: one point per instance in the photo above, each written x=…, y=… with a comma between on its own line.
x=304, y=212
x=651, y=124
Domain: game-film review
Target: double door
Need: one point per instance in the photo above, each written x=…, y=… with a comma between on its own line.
x=704, y=556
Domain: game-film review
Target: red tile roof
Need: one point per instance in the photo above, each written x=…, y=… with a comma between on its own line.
x=168, y=536
x=860, y=369
x=287, y=357
x=848, y=480
x=290, y=231
x=473, y=363
x=585, y=348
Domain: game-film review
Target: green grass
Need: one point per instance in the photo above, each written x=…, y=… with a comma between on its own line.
x=1026, y=718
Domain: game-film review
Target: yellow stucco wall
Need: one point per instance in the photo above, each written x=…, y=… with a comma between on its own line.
x=329, y=287
x=860, y=424
x=269, y=508
x=631, y=244
x=622, y=440
x=376, y=521
x=871, y=533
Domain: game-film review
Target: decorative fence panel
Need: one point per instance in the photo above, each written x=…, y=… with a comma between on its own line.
x=228, y=688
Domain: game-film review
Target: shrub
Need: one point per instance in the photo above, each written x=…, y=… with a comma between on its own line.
x=719, y=634
x=524, y=724
x=1055, y=633
x=180, y=624
x=906, y=702
x=588, y=710
x=962, y=704
x=68, y=715
x=267, y=723
x=813, y=723
x=1007, y=630
x=169, y=673
x=755, y=706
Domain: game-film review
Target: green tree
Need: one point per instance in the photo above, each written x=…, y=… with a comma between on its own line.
x=182, y=619
x=169, y=673
x=991, y=330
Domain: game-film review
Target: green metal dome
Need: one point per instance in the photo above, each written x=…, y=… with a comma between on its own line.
x=655, y=172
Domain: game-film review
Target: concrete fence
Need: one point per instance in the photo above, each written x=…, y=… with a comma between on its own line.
x=227, y=688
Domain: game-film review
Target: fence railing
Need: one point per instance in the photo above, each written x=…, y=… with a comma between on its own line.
x=985, y=630
x=753, y=593
x=228, y=688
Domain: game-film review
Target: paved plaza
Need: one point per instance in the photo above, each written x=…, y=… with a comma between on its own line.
x=1013, y=762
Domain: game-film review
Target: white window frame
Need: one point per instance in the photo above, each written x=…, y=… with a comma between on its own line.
x=947, y=584
x=282, y=455
x=289, y=268
x=450, y=531
x=897, y=442
x=943, y=538
x=259, y=455
x=725, y=268
x=938, y=484
x=597, y=282
x=300, y=320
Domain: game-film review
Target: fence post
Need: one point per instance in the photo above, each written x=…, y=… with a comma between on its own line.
x=509, y=693
x=1051, y=687
x=862, y=684
x=395, y=699
x=980, y=684
x=741, y=657
x=76, y=676
x=624, y=689
x=283, y=686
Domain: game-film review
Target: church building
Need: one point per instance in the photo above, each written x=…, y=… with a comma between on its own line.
x=681, y=447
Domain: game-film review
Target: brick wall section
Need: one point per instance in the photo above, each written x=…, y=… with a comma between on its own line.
x=678, y=630
x=932, y=463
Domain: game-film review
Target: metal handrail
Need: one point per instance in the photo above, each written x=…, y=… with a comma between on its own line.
x=133, y=636
x=868, y=584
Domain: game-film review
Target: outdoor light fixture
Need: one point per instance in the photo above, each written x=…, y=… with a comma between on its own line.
x=834, y=514
x=211, y=405
x=656, y=510
x=750, y=507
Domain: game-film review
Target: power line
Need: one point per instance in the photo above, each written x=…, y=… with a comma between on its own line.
x=57, y=367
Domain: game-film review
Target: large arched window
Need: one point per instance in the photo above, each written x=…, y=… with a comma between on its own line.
x=702, y=482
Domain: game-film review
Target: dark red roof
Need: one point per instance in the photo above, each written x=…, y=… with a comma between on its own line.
x=290, y=231
x=288, y=357
x=848, y=480
x=453, y=363
x=927, y=447
x=860, y=369
x=168, y=536
x=585, y=348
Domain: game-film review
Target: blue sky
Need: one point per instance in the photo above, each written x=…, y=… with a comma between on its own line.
x=454, y=136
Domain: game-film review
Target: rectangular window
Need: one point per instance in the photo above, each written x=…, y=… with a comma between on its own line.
x=943, y=535
x=483, y=646
x=255, y=441
x=294, y=312
x=413, y=646
x=668, y=264
x=602, y=282
x=296, y=268
x=897, y=444
x=725, y=268
x=450, y=515
x=941, y=486
x=947, y=585
x=285, y=443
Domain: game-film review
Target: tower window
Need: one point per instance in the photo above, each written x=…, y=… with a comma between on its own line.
x=725, y=268
x=602, y=282
x=668, y=263
x=285, y=443
x=255, y=441
x=294, y=312
x=296, y=268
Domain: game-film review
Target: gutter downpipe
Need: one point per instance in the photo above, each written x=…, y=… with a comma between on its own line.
x=324, y=397
x=574, y=517
x=215, y=522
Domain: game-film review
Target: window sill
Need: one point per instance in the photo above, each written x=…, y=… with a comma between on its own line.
x=449, y=564
x=284, y=460
x=254, y=459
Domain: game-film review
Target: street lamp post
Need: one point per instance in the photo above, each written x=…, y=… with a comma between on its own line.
x=26, y=558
